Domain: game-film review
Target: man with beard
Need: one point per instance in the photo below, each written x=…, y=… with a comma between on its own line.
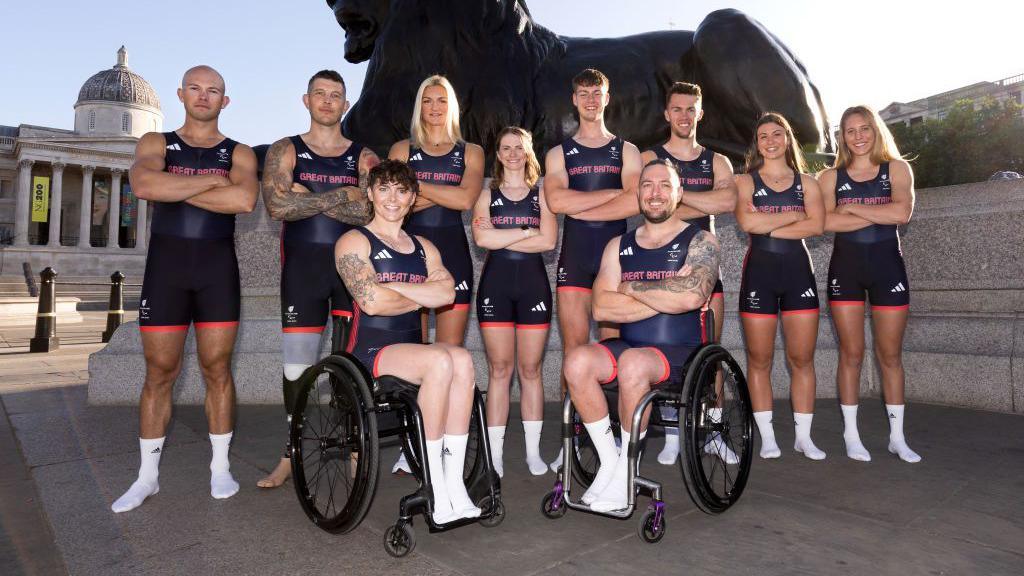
x=707, y=178
x=316, y=184
x=654, y=282
x=197, y=180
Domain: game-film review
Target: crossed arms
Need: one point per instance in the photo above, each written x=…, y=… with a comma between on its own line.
x=689, y=289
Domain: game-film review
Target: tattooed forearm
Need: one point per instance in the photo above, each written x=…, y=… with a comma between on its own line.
x=281, y=200
x=698, y=273
x=354, y=212
x=358, y=276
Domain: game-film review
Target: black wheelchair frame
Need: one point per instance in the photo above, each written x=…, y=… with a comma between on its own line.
x=334, y=444
x=698, y=392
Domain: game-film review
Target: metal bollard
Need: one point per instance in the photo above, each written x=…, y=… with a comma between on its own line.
x=115, y=309
x=46, y=339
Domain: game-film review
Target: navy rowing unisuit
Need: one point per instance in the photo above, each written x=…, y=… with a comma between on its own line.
x=310, y=285
x=514, y=290
x=869, y=259
x=583, y=242
x=371, y=334
x=443, y=226
x=696, y=176
x=191, y=268
x=777, y=272
x=673, y=336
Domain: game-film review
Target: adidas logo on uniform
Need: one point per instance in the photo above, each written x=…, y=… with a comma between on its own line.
x=497, y=202
x=174, y=147
x=540, y=308
x=761, y=192
x=571, y=152
x=306, y=156
x=627, y=252
x=416, y=156
x=382, y=255
x=845, y=187
x=463, y=286
x=809, y=293
x=155, y=450
x=899, y=288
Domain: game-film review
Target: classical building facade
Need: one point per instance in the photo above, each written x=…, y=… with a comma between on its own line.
x=65, y=199
x=935, y=107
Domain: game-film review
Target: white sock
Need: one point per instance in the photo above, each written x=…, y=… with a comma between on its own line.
x=222, y=484
x=442, y=504
x=604, y=442
x=854, y=447
x=614, y=496
x=557, y=462
x=715, y=444
x=670, y=452
x=531, y=430
x=402, y=464
x=454, y=463
x=769, y=449
x=149, y=470
x=496, y=440
x=897, y=443
x=803, y=442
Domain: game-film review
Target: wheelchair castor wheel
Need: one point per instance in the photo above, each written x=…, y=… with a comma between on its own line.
x=652, y=524
x=552, y=506
x=493, y=514
x=399, y=540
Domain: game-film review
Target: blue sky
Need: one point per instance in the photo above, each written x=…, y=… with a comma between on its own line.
x=877, y=52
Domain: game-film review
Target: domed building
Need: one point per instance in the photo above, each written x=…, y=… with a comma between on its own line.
x=65, y=200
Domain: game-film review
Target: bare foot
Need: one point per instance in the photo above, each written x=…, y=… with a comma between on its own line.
x=281, y=473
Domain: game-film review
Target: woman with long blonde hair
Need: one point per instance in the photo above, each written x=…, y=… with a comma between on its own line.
x=450, y=174
x=512, y=221
x=779, y=206
x=868, y=194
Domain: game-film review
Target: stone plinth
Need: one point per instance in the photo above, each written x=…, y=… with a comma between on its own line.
x=21, y=310
x=964, y=344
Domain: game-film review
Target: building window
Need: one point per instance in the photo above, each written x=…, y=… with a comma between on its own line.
x=92, y=120
x=126, y=122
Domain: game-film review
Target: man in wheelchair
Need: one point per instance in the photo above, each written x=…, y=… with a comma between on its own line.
x=655, y=282
x=391, y=275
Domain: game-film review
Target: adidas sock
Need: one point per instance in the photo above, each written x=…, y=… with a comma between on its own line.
x=670, y=452
x=557, y=462
x=146, y=485
x=222, y=484
x=442, y=504
x=454, y=463
x=496, y=440
x=769, y=449
x=855, y=449
x=615, y=496
x=803, y=442
x=897, y=443
x=604, y=442
x=531, y=430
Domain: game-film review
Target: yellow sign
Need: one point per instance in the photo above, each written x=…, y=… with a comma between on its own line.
x=40, y=199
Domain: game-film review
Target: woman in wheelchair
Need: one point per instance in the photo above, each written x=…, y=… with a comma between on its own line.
x=654, y=281
x=391, y=275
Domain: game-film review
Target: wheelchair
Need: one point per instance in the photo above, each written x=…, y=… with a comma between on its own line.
x=340, y=414
x=715, y=456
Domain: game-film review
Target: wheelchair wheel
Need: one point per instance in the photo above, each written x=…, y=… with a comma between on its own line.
x=585, y=461
x=651, y=529
x=493, y=512
x=399, y=540
x=552, y=507
x=335, y=447
x=717, y=429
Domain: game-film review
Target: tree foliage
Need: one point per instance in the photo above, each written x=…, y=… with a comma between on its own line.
x=974, y=140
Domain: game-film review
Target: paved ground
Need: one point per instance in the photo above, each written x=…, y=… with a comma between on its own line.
x=960, y=511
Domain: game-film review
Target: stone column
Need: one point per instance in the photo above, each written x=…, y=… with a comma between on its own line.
x=114, y=208
x=56, y=197
x=23, y=196
x=85, y=215
x=140, y=224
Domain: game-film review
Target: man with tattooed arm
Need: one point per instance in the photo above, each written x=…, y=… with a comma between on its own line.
x=655, y=282
x=316, y=184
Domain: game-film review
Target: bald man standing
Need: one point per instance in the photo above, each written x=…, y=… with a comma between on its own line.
x=197, y=180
